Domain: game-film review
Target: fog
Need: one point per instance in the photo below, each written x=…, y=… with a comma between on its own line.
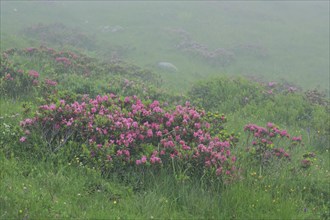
x=184, y=41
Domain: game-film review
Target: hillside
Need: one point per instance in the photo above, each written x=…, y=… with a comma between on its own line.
x=97, y=123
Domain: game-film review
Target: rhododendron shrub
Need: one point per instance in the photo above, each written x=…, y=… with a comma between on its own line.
x=60, y=35
x=60, y=63
x=16, y=82
x=78, y=74
x=117, y=132
x=267, y=143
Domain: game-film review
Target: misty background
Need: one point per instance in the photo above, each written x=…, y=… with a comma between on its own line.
x=262, y=40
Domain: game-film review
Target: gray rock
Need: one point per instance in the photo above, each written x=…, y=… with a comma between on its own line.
x=167, y=66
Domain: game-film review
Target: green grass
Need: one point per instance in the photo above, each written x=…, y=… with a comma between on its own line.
x=37, y=189
x=40, y=190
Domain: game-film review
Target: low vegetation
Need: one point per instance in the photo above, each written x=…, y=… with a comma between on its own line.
x=83, y=138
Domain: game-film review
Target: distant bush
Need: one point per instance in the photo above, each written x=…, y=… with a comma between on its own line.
x=77, y=73
x=15, y=82
x=218, y=57
x=60, y=35
x=60, y=63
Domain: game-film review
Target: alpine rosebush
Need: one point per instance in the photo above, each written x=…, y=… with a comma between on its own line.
x=117, y=132
x=264, y=143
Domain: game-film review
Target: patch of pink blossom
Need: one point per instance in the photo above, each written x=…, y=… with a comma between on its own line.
x=34, y=74
x=50, y=82
x=22, y=139
x=63, y=60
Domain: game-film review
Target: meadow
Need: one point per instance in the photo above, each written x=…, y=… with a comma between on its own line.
x=92, y=127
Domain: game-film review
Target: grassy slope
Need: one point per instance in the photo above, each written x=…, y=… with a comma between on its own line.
x=45, y=190
x=42, y=190
x=57, y=189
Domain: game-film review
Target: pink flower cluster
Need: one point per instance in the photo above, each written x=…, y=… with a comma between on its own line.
x=50, y=82
x=263, y=141
x=27, y=122
x=272, y=88
x=298, y=139
x=261, y=132
x=31, y=49
x=272, y=84
x=280, y=152
x=34, y=74
x=9, y=77
x=63, y=60
x=127, y=130
x=22, y=139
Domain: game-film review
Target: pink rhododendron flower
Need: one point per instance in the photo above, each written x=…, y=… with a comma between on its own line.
x=34, y=74
x=127, y=99
x=63, y=60
x=57, y=126
x=219, y=171
x=26, y=122
x=270, y=125
x=155, y=159
x=22, y=139
x=272, y=84
x=284, y=133
x=31, y=49
x=93, y=110
x=52, y=107
x=149, y=133
x=8, y=77
x=299, y=138
x=158, y=133
x=119, y=152
x=143, y=159
x=50, y=82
